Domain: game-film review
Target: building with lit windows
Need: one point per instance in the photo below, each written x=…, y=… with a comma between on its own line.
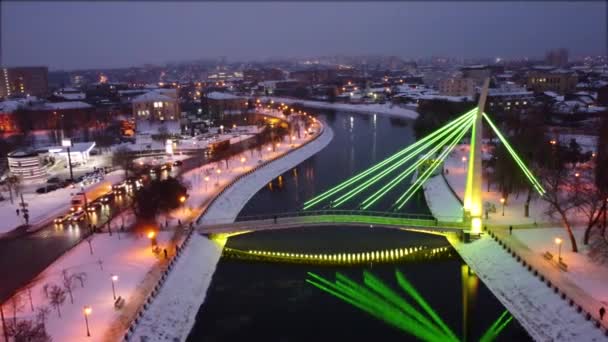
x=156, y=106
x=506, y=99
x=24, y=81
x=543, y=79
x=457, y=87
x=28, y=165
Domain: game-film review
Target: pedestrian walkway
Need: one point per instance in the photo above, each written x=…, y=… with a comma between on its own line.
x=553, y=275
x=542, y=311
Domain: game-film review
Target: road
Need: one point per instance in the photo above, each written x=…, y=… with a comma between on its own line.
x=25, y=255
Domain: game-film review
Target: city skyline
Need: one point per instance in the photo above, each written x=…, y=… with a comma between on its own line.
x=70, y=36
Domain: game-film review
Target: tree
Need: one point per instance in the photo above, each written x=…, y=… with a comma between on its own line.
x=17, y=304
x=558, y=184
x=159, y=196
x=12, y=184
x=81, y=277
x=123, y=158
x=28, y=331
x=57, y=297
x=68, y=284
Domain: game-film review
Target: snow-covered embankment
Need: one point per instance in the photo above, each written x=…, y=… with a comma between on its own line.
x=172, y=314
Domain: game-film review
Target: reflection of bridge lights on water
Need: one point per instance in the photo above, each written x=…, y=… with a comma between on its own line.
x=382, y=256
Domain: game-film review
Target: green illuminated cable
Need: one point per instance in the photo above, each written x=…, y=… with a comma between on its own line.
x=427, y=173
x=518, y=160
x=487, y=336
x=388, y=293
x=345, y=197
x=409, y=288
x=437, y=142
x=395, y=156
x=362, y=298
x=386, y=188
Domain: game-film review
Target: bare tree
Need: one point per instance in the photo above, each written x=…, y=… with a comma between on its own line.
x=42, y=314
x=29, y=295
x=45, y=290
x=57, y=298
x=68, y=284
x=12, y=184
x=559, y=184
x=17, y=304
x=28, y=331
x=81, y=277
x=122, y=157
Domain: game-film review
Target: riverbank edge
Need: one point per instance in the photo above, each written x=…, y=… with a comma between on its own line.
x=250, y=183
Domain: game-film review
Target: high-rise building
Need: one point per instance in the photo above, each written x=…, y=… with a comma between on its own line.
x=20, y=81
x=457, y=86
x=557, y=57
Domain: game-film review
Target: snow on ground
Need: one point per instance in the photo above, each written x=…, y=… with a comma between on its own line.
x=514, y=208
x=129, y=257
x=226, y=208
x=386, y=109
x=441, y=201
x=543, y=313
x=589, y=276
x=173, y=312
x=45, y=207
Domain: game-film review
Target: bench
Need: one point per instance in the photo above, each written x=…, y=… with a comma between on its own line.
x=119, y=303
x=562, y=266
x=548, y=256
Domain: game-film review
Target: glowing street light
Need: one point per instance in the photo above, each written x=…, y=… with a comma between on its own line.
x=87, y=311
x=182, y=199
x=243, y=160
x=217, y=173
x=152, y=237
x=114, y=278
x=502, y=201
x=558, y=242
x=464, y=160
x=206, y=182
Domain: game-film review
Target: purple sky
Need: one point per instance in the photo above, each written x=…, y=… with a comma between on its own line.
x=73, y=35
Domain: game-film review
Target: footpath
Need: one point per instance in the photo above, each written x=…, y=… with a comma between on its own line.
x=553, y=304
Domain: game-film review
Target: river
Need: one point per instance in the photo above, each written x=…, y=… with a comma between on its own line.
x=268, y=301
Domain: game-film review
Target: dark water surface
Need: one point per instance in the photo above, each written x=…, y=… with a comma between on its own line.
x=265, y=301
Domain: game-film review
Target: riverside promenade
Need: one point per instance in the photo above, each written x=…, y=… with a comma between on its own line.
x=170, y=315
x=551, y=304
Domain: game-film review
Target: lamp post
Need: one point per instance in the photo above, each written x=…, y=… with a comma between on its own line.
x=464, y=160
x=558, y=242
x=206, y=183
x=502, y=201
x=152, y=237
x=67, y=143
x=87, y=311
x=114, y=278
x=218, y=172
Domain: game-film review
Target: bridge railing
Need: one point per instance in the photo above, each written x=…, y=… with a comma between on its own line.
x=342, y=212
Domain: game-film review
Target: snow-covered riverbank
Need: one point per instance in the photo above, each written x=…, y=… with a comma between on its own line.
x=172, y=314
x=384, y=109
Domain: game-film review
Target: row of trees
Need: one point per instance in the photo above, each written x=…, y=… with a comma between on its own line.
x=576, y=183
x=22, y=330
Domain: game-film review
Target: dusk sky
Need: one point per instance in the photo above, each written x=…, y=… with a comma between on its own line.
x=75, y=35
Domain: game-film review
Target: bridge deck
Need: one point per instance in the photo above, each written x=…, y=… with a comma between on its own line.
x=426, y=225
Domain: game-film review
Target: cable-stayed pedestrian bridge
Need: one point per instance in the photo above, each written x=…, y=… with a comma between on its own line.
x=354, y=218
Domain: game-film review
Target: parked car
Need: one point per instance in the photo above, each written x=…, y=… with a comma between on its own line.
x=53, y=180
x=41, y=190
x=178, y=163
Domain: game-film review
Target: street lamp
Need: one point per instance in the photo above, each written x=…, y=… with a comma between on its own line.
x=558, y=242
x=206, y=182
x=464, y=160
x=502, y=201
x=182, y=199
x=87, y=311
x=67, y=143
x=218, y=172
x=152, y=237
x=114, y=278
